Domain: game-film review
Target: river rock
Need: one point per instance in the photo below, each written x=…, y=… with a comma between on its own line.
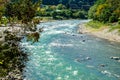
x=73, y=35
x=83, y=59
x=83, y=40
x=77, y=60
x=88, y=58
x=102, y=65
x=115, y=58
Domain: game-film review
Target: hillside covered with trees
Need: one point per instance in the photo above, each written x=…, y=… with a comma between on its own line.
x=74, y=4
x=105, y=11
x=56, y=9
x=65, y=9
x=105, y=14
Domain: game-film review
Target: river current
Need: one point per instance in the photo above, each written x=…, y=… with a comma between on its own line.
x=64, y=54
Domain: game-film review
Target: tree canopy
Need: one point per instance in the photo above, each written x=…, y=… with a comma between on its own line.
x=23, y=10
x=78, y=4
x=105, y=11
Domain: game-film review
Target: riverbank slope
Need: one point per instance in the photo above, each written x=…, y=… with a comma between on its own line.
x=102, y=32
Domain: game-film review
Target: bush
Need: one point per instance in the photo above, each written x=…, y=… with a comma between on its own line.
x=118, y=22
x=80, y=15
x=4, y=21
x=113, y=18
x=11, y=57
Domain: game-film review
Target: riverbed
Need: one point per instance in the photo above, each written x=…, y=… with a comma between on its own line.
x=64, y=54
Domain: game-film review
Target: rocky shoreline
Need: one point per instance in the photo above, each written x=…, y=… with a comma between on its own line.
x=101, y=33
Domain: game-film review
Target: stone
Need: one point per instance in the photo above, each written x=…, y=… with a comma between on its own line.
x=73, y=35
x=102, y=65
x=83, y=40
x=115, y=58
x=78, y=60
x=88, y=58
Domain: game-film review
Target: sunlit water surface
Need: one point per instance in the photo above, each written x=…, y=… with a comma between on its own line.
x=63, y=54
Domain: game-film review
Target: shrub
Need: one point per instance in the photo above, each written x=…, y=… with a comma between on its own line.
x=4, y=21
x=113, y=18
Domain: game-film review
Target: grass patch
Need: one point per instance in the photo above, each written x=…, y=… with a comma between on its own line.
x=95, y=24
x=115, y=27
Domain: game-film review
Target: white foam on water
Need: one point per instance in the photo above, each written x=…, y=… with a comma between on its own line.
x=60, y=64
x=51, y=59
x=60, y=45
x=51, y=56
x=116, y=75
x=90, y=66
x=66, y=77
x=53, y=32
x=58, y=26
x=106, y=73
x=75, y=73
x=110, y=74
x=59, y=78
x=69, y=68
x=47, y=52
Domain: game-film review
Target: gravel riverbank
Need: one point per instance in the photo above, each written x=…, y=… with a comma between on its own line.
x=101, y=33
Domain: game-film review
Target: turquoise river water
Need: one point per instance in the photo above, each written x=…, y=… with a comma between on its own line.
x=63, y=54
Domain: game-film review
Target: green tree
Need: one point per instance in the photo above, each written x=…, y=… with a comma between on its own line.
x=1, y=8
x=92, y=11
x=54, y=14
x=60, y=6
x=113, y=18
x=24, y=10
x=105, y=11
x=11, y=10
x=68, y=13
x=80, y=14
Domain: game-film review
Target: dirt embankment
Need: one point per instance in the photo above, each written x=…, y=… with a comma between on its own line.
x=103, y=32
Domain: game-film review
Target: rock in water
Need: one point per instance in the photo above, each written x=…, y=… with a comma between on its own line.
x=102, y=65
x=88, y=58
x=83, y=40
x=115, y=58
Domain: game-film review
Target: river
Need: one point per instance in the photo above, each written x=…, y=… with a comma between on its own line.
x=64, y=54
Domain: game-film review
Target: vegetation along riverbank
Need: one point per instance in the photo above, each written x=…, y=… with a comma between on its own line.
x=103, y=31
x=16, y=21
x=11, y=57
x=105, y=23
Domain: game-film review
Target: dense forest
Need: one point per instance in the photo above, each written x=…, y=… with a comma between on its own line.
x=74, y=4
x=56, y=9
